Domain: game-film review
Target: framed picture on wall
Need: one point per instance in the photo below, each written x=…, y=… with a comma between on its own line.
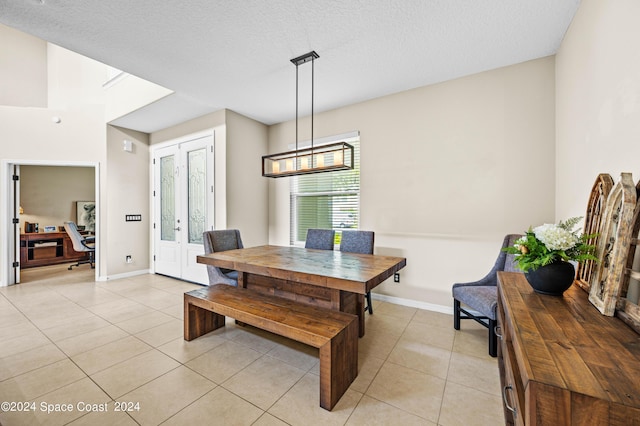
x=86, y=215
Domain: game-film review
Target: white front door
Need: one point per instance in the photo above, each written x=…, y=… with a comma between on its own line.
x=183, y=207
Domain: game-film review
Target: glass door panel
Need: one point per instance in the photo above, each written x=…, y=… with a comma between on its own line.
x=197, y=194
x=167, y=198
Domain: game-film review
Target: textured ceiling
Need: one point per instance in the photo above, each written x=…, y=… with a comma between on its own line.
x=218, y=54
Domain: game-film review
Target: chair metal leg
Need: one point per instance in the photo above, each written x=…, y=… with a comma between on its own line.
x=369, y=306
x=90, y=261
x=456, y=314
x=493, y=339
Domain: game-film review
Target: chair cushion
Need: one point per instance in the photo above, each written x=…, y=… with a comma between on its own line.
x=483, y=299
x=232, y=274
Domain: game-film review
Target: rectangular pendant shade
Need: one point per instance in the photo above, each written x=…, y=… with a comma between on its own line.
x=317, y=159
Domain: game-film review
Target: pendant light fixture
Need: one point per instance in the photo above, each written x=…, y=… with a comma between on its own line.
x=323, y=158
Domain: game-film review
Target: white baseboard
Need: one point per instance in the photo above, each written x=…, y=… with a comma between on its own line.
x=413, y=303
x=125, y=275
x=382, y=297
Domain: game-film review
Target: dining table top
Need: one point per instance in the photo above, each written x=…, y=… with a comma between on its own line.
x=358, y=273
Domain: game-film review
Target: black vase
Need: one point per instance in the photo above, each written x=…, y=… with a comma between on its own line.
x=552, y=279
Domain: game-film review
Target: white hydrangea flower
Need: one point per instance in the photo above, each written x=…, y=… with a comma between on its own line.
x=554, y=237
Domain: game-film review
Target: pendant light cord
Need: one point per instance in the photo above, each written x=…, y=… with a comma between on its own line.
x=313, y=61
x=296, y=107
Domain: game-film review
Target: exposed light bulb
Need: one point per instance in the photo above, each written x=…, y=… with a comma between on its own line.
x=338, y=158
x=304, y=162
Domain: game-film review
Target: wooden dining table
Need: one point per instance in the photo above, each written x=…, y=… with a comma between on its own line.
x=332, y=279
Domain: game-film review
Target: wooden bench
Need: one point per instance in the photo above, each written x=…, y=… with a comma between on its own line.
x=335, y=333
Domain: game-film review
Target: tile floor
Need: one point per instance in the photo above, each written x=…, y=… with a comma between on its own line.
x=81, y=349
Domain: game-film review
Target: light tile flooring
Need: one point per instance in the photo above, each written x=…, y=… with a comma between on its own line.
x=82, y=349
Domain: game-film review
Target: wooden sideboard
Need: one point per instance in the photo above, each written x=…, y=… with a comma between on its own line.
x=562, y=362
x=50, y=248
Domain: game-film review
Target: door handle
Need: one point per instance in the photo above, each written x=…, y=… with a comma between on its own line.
x=177, y=229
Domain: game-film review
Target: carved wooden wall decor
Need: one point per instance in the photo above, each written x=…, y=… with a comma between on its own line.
x=592, y=224
x=613, y=246
x=627, y=308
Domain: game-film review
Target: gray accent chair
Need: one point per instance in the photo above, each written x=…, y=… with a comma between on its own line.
x=482, y=296
x=359, y=242
x=321, y=239
x=217, y=241
x=81, y=244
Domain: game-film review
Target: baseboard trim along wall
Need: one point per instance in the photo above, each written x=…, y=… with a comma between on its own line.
x=413, y=303
x=125, y=275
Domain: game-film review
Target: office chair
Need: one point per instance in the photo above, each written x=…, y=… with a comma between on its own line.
x=359, y=242
x=81, y=244
x=222, y=240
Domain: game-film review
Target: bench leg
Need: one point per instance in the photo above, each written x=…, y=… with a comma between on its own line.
x=338, y=365
x=199, y=321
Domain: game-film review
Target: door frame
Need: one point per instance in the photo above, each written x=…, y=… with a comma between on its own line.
x=152, y=204
x=7, y=244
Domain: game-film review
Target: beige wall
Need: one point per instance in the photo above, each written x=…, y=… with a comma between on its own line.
x=23, y=69
x=127, y=185
x=597, y=100
x=29, y=135
x=74, y=80
x=447, y=170
x=130, y=93
x=48, y=194
x=247, y=190
x=196, y=125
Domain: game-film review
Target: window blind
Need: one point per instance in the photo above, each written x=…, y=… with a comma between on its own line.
x=328, y=200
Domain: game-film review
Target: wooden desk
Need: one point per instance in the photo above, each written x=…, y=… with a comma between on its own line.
x=330, y=279
x=47, y=248
x=562, y=362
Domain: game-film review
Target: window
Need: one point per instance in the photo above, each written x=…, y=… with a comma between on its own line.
x=328, y=200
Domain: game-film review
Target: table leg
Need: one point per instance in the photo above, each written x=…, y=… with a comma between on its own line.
x=242, y=279
x=360, y=312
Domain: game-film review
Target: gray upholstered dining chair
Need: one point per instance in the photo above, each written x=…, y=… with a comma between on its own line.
x=482, y=296
x=81, y=243
x=359, y=242
x=217, y=241
x=321, y=239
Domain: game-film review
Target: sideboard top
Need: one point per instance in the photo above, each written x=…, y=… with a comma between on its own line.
x=567, y=343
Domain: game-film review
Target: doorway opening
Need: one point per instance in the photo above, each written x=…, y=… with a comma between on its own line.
x=41, y=196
